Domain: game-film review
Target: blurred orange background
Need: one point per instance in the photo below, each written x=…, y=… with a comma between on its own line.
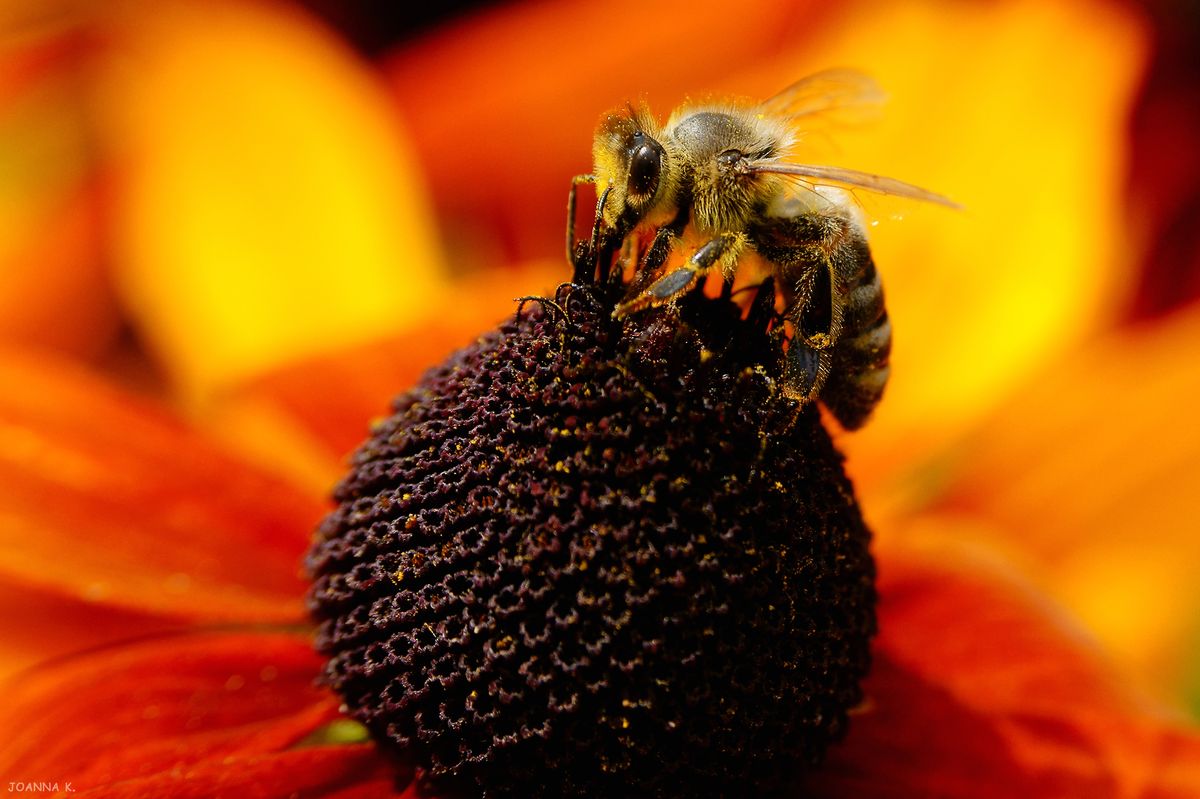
x=195, y=195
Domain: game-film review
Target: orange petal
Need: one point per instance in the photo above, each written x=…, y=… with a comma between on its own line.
x=979, y=692
x=104, y=498
x=319, y=409
x=985, y=689
x=914, y=740
x=197, y=715
x=268, y=209
x=347, y=772
x=39, y=625
x=1093, y=470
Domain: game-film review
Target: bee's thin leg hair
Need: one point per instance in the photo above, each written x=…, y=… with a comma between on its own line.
x=653, y=259
x=566, y=293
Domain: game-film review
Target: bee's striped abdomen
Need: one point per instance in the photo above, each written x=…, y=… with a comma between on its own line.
x=858, y=370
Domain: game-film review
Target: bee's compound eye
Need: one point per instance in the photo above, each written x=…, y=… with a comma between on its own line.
x=645, y=166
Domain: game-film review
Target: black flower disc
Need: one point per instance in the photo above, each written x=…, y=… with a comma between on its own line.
x=602, y=559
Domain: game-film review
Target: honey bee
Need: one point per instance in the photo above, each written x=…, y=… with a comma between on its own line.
x=730, y=172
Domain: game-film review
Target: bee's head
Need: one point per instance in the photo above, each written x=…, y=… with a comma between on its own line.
x=634, y=165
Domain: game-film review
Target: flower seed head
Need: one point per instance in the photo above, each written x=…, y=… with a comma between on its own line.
x=596, y=558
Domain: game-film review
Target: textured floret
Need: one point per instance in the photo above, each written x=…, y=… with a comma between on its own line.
x=602, y=559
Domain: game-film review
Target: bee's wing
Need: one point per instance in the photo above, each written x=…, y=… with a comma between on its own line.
x=845, y=91
x=851, y=177
x=830, y=97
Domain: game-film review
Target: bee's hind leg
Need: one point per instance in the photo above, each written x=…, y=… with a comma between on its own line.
x=806, y=370
x=726, y=247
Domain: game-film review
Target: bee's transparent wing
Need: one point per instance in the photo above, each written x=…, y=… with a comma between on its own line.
x=844, y=95
x=850, y=177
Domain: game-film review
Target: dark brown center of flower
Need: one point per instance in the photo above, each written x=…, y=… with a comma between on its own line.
x=602, y=559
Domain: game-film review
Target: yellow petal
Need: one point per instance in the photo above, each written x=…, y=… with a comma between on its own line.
x=1093, y=470
x=271, y=210
x=1017, y=110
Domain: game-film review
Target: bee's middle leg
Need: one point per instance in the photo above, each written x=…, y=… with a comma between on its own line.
x=711, y=254
x=834, y=291
x=653, y=258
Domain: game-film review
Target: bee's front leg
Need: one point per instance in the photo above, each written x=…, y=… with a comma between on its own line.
x=591, y=260
x=588, y=180
x=725, y=247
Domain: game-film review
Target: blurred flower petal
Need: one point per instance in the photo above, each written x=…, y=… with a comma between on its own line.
x=322, y=406
x=104, y=498
x=53, y=287
x=503, y=104
x=201, y=715
x=982, y=298
x=983, y=689
x=270, y=211
x=1093, y=470
x=40, y=625
x=1164, y=171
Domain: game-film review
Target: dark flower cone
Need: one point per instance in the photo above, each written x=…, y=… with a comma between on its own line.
x=596, y=558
